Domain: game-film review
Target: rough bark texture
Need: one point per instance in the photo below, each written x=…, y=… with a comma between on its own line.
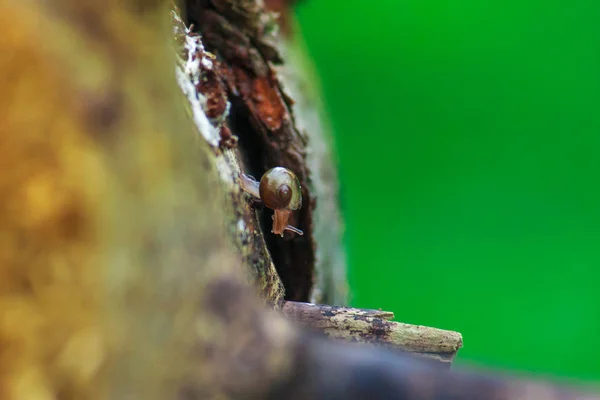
x=200, y=79
x=241, y=36
x=120, y=270
x=375, y=327
x=197, y=70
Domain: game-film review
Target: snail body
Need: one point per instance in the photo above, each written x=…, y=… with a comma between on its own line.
x=280, y=190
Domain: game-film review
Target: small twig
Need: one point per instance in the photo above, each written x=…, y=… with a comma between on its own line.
x=376, y=327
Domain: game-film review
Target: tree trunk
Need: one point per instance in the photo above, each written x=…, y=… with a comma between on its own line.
x=132, y=262
x=229, y=60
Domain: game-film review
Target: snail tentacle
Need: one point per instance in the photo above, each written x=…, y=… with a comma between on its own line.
x=294, y=229
x=250, y=185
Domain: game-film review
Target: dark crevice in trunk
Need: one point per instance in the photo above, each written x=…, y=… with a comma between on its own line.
x=261, y=117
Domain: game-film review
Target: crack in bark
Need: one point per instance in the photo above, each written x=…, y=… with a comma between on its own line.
x=262, y=119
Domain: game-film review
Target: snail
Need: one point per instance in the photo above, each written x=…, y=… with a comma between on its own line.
x=279, y=189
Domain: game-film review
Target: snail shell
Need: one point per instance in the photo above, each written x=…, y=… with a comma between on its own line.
x=280, y=189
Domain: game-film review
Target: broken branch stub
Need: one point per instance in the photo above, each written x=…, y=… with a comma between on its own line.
x=375, y=327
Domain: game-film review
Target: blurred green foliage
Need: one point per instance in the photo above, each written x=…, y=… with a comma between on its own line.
x=468, y=134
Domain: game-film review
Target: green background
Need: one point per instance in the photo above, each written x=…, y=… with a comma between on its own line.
x=468, y=137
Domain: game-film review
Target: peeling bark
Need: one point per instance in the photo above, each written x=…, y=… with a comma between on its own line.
x=241, y=36
x=199, y=77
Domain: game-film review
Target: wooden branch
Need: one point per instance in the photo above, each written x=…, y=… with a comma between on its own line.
x=376, y=327
x=325, y=369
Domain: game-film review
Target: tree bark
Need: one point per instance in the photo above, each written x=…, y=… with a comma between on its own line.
x=132, y=264
x=375, y=327
x=240, y=35
x=208, y=74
